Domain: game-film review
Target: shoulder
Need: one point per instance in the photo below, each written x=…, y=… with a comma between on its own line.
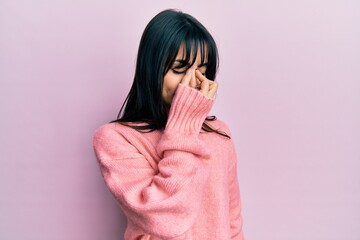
x=115, y=141
x=229, y=146
x=107, y=130
x=220, y=125
x=111, y=133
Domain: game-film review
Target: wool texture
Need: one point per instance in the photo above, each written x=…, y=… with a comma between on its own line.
x=178, y=183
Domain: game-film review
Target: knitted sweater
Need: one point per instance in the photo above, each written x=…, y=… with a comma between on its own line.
x=176, y=183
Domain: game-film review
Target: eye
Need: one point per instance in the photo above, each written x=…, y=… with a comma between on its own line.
x=180, y=69
x=179, y=72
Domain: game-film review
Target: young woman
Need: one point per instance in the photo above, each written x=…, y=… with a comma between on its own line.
x=171, y=168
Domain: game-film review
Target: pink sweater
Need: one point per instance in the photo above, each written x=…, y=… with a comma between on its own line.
x=176, y=183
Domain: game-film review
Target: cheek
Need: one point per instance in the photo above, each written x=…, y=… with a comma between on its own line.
x=171, y=82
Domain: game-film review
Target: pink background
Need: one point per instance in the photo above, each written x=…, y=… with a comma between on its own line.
x=289, y=89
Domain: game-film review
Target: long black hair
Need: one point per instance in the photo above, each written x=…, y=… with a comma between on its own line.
x=159, y=46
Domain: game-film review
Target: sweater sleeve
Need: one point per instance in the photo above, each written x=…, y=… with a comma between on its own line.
x=236, y=221
x=162, y=202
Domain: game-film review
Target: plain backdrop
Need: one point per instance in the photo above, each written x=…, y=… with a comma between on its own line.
x=289, y=88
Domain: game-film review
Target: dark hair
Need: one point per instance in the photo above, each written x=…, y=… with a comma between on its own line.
x=159, y=46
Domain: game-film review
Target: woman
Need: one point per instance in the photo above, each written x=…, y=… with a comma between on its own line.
x=171, y=168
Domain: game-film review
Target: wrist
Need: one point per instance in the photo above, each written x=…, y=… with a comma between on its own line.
x=188, y=110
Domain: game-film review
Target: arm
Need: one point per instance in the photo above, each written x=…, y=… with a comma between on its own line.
x=236, y=221
x=162, y=202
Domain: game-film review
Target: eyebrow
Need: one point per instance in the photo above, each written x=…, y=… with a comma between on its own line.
x=186, y=63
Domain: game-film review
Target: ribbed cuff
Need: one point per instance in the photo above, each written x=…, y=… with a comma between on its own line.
x=188, y=110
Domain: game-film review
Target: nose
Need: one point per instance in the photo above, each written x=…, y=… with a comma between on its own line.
x=193, y=67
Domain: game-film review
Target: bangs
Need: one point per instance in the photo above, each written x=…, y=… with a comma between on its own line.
x=193, y=47
x=193, y=42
